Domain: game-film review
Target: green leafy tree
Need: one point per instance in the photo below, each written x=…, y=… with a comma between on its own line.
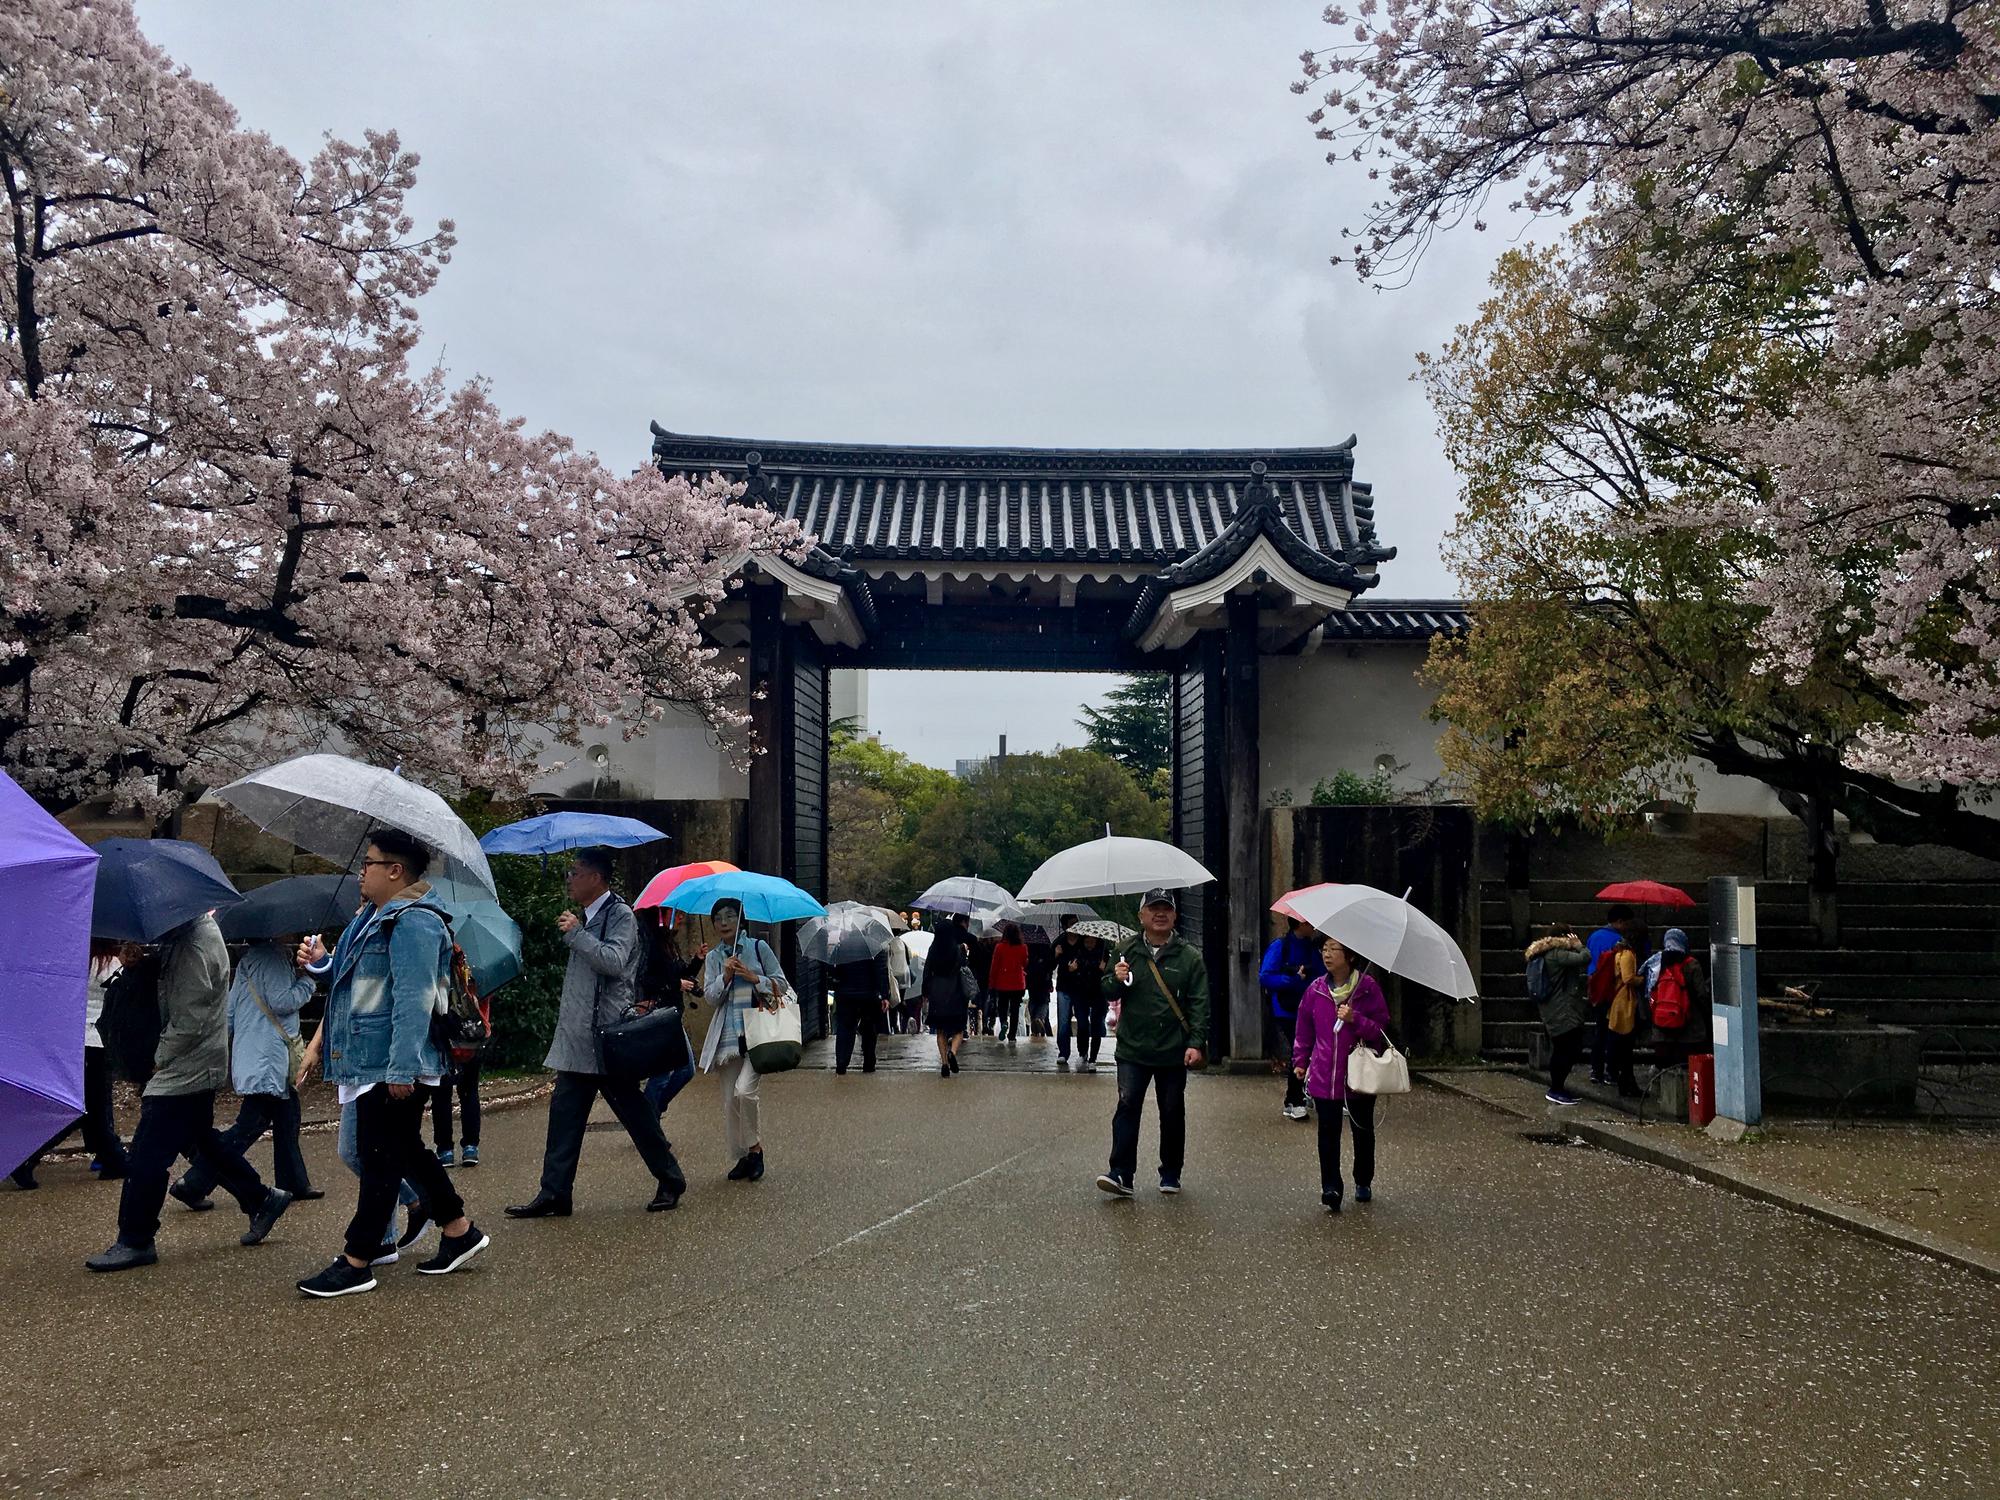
x=877, y=799
x=1134, y=727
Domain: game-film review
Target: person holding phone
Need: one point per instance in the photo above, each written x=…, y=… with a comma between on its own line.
x=740, y=973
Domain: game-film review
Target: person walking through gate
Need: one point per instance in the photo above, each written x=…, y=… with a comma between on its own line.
x=860, y=1002
x=1163, y=1033
x=386, y=977
x=1041, y=973
x=1007, y=982
x=1290, y=964
x=1341, y=1010
x=264, y=1003
x=98, y=1123
x=177, y=1107
x=947, y=980
x=1089, y=1002
x=1557, y=966
x=1068, y=947
x=599, y=988
x=741, y=972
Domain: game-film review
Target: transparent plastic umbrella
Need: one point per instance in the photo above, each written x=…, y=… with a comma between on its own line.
x=1113, y=866
x=848, y=933
x=965, y=894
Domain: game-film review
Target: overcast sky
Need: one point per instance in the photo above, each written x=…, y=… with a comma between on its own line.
x=1007, y=222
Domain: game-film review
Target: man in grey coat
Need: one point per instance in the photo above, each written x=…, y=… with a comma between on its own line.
x=177, y=1110
x=599, y=987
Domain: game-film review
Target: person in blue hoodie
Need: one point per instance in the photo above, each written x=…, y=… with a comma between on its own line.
x=1290, y=965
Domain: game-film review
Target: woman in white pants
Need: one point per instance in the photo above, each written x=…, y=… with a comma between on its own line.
x=740, y=972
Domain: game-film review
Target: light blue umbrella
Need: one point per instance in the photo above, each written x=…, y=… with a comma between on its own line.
x=491, y=939
x=552, y=833
x=765, y=898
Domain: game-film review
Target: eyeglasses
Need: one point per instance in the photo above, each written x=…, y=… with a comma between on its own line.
x=383, y=863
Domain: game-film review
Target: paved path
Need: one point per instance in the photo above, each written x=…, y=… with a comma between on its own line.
x=926, y=1297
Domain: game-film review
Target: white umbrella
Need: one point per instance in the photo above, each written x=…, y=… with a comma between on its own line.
x=1048, y=915
x=849, y=932
x=1113, y=866
x=326, y=804
x=1390, y=933
x=965, y=894
x=918, y=946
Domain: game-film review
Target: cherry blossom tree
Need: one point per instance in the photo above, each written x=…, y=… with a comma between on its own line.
x=234, y=520
x=1859, y=137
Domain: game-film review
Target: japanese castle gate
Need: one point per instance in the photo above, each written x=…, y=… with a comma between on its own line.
x=1194, y=563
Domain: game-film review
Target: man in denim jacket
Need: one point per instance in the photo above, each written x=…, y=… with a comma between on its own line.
x=385, y=980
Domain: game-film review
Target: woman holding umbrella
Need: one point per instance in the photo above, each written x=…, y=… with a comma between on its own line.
x=740, y=972
x=1342, y=1009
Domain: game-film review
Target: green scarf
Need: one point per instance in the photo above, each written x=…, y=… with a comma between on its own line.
x=1340, y=995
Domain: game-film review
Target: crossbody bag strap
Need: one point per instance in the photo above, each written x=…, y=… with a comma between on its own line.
x=1172, y=1004
x=268, y=1015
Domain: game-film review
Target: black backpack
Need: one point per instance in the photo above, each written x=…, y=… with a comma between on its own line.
x=130, y=1023
x=1539, y=988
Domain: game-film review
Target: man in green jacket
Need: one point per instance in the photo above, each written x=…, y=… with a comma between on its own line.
x=1162, y=1030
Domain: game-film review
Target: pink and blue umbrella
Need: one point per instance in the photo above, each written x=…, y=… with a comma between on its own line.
x=46, y=878
x=765, y=898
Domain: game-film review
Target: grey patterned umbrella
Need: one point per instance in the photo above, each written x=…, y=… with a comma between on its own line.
x=326, y=804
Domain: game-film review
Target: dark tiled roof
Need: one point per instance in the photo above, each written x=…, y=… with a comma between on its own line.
x=1148, y=507
x=1399, y=620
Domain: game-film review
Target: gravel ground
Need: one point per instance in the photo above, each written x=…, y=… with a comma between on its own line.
x=926, y=1297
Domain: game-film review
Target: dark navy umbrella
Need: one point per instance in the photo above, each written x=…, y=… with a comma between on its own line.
x=552, y=833
x=301, y=904
x=148, y=887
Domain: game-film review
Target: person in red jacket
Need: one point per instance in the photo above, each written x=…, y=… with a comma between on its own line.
x=1007, y=981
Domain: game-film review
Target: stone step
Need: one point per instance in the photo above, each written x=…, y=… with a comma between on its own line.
x=1862, y=892
x=1834, y=963
x=1499, y=938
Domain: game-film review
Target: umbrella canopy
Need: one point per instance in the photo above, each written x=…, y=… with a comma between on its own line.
x=552, y=833
x=765, y=898
x=302, y=903
x=489, y=937
x=965, y=894
x=1113, y=866
x=918, y=946
x=1390, y=933
x=1283, y=905
x=327, y=804
x=667, y=882
x=848, y=933
x=1046, y=916
x=148, y=887
x=1111, y=932
x=898, y=923
x=46, y=878
x=1645, y=893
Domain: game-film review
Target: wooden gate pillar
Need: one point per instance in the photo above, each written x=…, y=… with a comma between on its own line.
x=1243, y=869
x=770, y=672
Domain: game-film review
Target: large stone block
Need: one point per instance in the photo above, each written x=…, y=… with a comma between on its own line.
x=1845, y=1069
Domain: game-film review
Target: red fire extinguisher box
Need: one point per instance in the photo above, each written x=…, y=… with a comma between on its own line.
x=1701, y=1088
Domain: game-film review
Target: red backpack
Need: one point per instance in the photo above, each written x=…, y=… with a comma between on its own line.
x=1604, y=979
x=1670, y=998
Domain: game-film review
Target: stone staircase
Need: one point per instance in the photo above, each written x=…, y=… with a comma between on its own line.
x=1925, y=956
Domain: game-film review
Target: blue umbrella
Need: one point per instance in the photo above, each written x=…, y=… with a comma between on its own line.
x=148, y=887
x=45, y=878
x=491, y=939
x=765, y=898
x=302, y=903
x=552, y=833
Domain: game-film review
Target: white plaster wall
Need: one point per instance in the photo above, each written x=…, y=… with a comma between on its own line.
x=847, y=697
x=676, y=759
x=1344, y=705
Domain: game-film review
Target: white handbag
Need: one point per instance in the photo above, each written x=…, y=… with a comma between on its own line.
x=1384, y=1072
x=773, y=1037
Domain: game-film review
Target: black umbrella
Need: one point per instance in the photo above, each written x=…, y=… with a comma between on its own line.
x=148, y=887
x=300, y=904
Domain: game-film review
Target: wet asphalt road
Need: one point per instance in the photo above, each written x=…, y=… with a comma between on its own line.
x=925, y=1296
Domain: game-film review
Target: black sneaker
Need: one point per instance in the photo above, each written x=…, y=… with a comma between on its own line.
x=276, y=1201
x=741, y=1171
x=756, y=1166
x=454, y=1250
x=419, y=1226
x=1332, y=1202
x=1170, y=1185
x=196, y=1202
x=339, y=1280
x=1112, y=1183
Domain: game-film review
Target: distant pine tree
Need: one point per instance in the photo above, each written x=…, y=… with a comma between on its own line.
x=1133, y=727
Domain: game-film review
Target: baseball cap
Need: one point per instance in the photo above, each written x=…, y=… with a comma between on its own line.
x=1161, y=896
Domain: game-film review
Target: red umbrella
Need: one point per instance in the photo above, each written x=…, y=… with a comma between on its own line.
x=1645, y=893
x=662, y=885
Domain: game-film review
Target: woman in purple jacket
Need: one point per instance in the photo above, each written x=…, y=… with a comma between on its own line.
x=1339, y=1010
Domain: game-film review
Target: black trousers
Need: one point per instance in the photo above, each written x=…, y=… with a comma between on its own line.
x=464, y=1082
x=569, y=1113
x=851, y=1014
x=170, y=1126
x=1361, y=1107
x=1288, y=1032
x=1565, y=1052
x=277, y=1113
x=1090, y=1013
x=98, y=1124
x=389, y=1141
x=1170, y=1087
x=1006, y=1006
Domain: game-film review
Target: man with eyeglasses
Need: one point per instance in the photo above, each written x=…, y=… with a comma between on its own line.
x=598, y=989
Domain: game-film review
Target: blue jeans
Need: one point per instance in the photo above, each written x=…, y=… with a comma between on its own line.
x=660, y=1091
x=350, y=1153
x=1062, y=1023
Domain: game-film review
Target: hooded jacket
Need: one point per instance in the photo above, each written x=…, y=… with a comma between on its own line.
x=1568, y=964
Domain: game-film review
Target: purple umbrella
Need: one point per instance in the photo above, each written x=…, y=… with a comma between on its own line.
x=46, y=881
